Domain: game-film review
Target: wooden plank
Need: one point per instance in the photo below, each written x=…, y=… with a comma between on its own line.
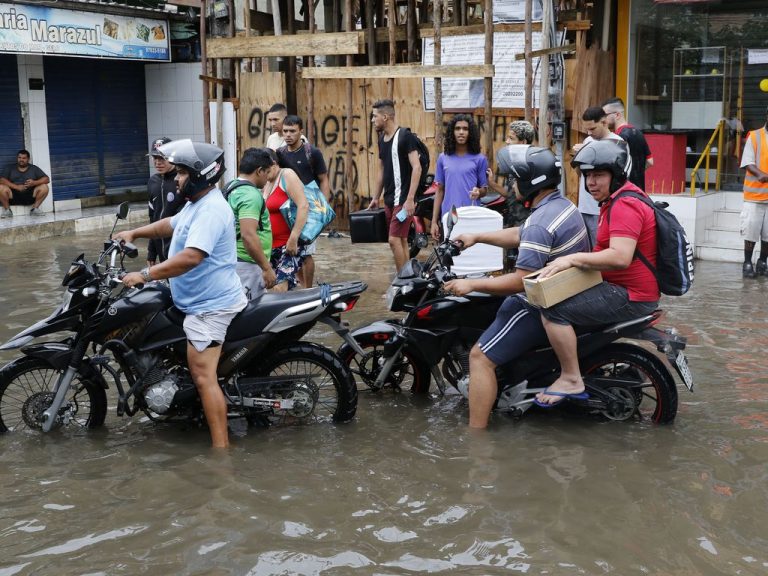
x=400, y=71
x=191, y=3
x=293, y=45
x=258, y=91
x=543, y=51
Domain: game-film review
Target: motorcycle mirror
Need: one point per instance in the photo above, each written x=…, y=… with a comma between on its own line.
x=452, y=220
x=122, y=210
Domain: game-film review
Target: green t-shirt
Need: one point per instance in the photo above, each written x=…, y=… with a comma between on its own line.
x=247, y=202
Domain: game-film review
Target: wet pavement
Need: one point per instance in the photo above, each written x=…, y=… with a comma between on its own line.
x=405, y=488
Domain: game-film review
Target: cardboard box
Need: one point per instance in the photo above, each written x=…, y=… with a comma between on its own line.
x=549, y=291
x=368, y=226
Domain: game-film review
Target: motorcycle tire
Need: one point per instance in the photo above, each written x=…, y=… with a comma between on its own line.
x=411, y=374
x=336, y=390
x=25, y=393
x=636, y=383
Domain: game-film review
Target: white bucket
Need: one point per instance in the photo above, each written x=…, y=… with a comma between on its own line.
x=480, y=258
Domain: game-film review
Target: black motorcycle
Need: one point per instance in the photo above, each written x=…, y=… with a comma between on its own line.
x=135, y=336
x=434, y=339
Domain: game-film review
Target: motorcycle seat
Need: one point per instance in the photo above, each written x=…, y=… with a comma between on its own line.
x=261, y=311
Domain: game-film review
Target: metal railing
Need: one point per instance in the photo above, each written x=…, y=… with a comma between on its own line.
x=719, y=133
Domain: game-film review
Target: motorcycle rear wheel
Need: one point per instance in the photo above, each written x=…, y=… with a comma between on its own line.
x=336, y=393
x=26, y=392
x=636, y=383
x=409, y=373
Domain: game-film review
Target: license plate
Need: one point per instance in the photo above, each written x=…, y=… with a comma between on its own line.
x=682, y=368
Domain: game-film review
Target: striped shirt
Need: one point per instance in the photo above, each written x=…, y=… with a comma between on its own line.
x=555, y=228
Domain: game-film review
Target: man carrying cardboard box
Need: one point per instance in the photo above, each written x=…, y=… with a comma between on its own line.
x=554, y=228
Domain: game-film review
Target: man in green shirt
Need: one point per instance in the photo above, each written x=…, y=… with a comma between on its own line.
x=252, y=228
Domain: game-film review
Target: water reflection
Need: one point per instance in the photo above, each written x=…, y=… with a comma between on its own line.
x=405, y=488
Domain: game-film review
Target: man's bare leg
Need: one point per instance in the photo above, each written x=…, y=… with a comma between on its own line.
x=202, y=366
x=306, y=274
x=482, y=388
x=399, y=247
x=5, y=197
x=562, y=337
x=40, y=193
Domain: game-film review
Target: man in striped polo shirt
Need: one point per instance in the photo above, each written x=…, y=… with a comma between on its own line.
x=554, y=228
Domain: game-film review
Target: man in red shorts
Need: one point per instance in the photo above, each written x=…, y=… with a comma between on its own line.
x=398, y=177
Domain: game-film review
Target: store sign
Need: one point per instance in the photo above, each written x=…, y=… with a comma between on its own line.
x=757, y=56
x=52, y=31
x=508, y=81
x=514, y=10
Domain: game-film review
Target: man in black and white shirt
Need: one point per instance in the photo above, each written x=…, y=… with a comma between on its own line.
x=398, y=177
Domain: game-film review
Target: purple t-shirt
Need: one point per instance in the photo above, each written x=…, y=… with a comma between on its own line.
x=458, y=175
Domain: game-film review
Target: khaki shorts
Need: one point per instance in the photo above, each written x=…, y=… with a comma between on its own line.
x=210, y=328
x=754, y=221
x=252, y=278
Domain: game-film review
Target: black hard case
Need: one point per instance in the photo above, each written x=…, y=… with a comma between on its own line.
x=368, y=226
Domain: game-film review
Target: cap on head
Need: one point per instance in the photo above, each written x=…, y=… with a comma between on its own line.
x=156, y=144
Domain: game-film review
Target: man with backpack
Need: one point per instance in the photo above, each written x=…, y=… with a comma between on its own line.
x=252, y=228
x=309, y=164
x=398, y=178
x=626, y=229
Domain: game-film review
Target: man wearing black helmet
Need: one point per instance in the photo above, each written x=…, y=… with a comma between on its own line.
x=554, y=228
x=626, y=227
x=201, y=266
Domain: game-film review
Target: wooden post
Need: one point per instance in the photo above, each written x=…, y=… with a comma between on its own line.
x=371, y=26
x=311, y=83
x=348, y=174
x=204, y=64
x=528, y=61
x=546, y=28
x=488, y=82
x=437, y=23
x=411, y=30
x=290, y=72
x=391, y=23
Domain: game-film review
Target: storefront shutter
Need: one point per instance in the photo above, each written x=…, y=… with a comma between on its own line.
x=97, y=126
x=10, y=111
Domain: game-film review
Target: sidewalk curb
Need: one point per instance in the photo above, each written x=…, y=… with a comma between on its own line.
x=36, y=231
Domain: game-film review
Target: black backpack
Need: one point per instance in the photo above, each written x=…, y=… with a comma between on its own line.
x=234, y=185
x=674, y=253
x=423, y=160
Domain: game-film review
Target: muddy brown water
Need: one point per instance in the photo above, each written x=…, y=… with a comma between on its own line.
x=406, y=488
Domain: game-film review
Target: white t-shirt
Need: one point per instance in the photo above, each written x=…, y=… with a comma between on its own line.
x=748, y=155
x=587, y=204
x=276, y=140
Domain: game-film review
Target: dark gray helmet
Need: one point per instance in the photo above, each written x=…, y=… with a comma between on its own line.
x=534, y=168
x=204, y=163
x=156, y=144
x=609, y=155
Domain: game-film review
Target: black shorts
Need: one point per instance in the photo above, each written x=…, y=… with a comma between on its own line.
x=24, y=198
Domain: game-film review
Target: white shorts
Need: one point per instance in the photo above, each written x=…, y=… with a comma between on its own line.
x=754, y=221
x=252, y=278
x=310, y=249
x=210, y=328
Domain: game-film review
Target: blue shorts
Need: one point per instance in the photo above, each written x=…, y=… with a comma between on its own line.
x=286, y=266
x=605, y=303
x=516, y=330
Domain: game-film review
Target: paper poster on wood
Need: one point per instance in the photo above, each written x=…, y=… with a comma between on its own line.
x=508, y=83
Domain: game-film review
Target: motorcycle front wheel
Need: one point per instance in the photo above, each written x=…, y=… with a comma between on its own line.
x=632, y=382
x=408, y=373
x=26, y=391
x=325, y=388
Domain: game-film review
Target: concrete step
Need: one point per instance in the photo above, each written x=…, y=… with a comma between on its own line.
x=720, y=253
x=726, y=237
x=734, y=200
x=727, y=219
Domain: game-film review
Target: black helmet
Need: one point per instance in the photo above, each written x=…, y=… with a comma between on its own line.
x=204, y=162
x=609, y=155
x=156, y=144
x=533, y=168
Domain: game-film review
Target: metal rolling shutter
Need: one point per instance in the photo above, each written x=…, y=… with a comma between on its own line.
x=97, y=127
x=10, y=111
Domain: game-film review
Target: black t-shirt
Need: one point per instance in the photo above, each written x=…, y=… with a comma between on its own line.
x=308, y=169
x=397, y=175
x=638, y=150
x=16, y=176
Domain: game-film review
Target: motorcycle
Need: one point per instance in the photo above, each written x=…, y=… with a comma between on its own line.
x=419, y=233
x=433, y=341
x=268, y=375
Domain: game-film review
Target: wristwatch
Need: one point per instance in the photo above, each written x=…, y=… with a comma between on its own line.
x=145, y=274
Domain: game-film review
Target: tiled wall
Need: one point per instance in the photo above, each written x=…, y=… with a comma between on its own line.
x=35, y=117
x=174, y=101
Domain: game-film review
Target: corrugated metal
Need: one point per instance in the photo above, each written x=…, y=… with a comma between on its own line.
x=97, y=128
x=12, y=139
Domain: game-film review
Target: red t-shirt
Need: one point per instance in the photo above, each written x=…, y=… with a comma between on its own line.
x=630, y=218
x=280, y=229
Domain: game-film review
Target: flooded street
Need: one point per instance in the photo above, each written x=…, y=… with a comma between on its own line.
x=405, y=488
